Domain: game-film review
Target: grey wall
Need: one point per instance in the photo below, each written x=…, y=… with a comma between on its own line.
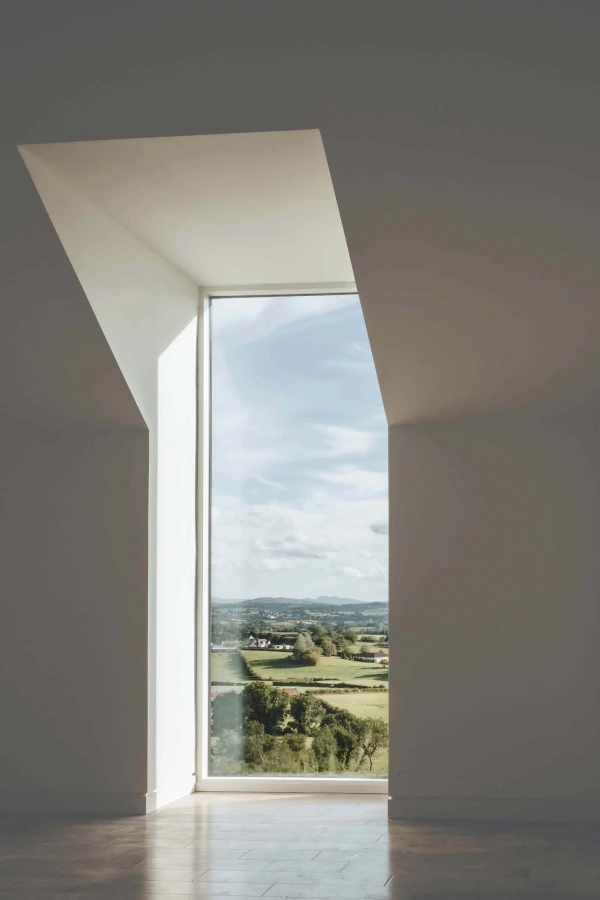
x=462, y=142
x=73, y=534
x=495, y=580
x=73, y=641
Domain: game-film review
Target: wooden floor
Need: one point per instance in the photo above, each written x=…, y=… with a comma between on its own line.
x=296, y=846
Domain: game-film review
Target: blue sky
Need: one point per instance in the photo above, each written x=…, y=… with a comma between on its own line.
x=299, y=455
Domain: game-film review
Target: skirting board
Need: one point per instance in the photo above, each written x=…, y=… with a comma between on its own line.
x=170, y=793
x=94, y=803
x=481, y=809
x=283, y=785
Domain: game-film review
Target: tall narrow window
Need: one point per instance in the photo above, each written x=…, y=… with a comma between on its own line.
x=299, y=615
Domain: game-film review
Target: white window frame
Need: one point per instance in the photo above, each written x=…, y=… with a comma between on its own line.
x=246, y=783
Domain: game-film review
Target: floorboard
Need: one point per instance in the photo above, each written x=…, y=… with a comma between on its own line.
x=302, y=847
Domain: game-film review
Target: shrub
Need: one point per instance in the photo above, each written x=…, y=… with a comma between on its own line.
x=316, y=682
x=246, y=667
x=352, y=689
x=328, y=647
x=305, y=651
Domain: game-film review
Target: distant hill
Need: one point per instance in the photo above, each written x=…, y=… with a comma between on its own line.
x=296, y=602
x=264, y=601
x=335, y=601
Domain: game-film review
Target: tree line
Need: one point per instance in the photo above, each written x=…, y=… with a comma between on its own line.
x=319, y=641
x=263, y=730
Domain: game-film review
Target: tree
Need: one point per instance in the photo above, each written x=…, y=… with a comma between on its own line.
x=349, y=744
x=305, y=651
x=351, y=636
x=328, y=647
x=375, y=736
x=325, y=749
x=347, y=730
x=226, y=753
x=308, y=713
x=364, y=649
x=265, y=705
x=318, y=633
x=257, y=745
x=265, y=753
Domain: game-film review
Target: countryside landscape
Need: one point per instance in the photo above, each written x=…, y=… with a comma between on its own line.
x=299, y=687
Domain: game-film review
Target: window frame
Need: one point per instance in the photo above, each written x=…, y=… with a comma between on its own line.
x=246, y=783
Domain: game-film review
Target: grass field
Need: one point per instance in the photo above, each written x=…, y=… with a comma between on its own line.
x=363, y=705
x=227, y=667
x=373, y=647
x=380, y=765
x=273, y=664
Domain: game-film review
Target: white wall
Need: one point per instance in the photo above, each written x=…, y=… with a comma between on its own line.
x=147, y=310
x=176, y=570
x=494, y=627
x=141, y=301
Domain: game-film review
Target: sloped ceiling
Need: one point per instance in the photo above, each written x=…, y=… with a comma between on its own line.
x=228, y=209
x=462, y=142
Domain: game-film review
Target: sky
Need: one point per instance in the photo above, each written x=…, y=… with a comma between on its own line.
x=299, y=451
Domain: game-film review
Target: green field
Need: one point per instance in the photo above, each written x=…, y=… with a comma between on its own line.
x=373, y=647
x=363, y=705
x=380, y=765
x=227, y=667
x=272, y=664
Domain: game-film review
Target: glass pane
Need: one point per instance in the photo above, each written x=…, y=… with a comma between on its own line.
x=299, y=613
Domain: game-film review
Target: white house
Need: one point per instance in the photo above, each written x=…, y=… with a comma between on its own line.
x=372, y=657
x=257, y=643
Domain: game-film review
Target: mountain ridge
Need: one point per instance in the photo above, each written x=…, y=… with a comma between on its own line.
x=297, y=602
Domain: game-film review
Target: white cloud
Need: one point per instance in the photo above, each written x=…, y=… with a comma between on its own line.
x=267, y=482
x=360, y=480
x=357, y=358
x=264, y=563
x=294, y=546
x=349, y=571
x=341, y=440
x=243, y=321
x=380, y=528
